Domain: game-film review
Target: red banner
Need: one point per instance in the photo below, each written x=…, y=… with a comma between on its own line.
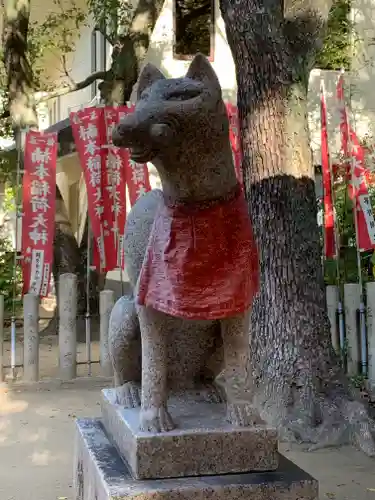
x=89, y=136
x=137, y=177
x=235, y=140
x=38, y=222
x=329, y=221
x=358, y=191
x=114, y=192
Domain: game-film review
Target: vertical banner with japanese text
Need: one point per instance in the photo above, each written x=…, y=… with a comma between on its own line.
x=235, y=140
x=358, y=192
x=114, y=192
x=38, y=221
x=89, y=136
x=355, y=156
x=329, y=222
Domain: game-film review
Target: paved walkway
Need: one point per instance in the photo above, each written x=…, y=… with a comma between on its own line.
x=37, y=436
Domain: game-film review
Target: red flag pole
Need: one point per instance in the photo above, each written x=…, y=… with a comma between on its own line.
x=331, y=241
x=332, y=195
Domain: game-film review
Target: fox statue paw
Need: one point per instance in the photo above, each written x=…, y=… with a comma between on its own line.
x=128, y=395
x=155, y=419
x=243, y=415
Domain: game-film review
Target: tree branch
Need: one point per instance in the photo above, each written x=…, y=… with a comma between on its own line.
x=74, y=87
x=65, y=69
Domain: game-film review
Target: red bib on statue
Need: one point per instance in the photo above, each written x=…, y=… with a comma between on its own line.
x=201, y=261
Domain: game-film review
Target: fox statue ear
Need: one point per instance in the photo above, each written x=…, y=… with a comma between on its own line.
x=148, y=76
x=200, y=69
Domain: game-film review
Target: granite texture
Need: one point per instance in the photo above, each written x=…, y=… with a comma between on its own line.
x=203, y=443
x=67, y=326
x=31, y=338
x=100, y=474
x=181, y=125
x=106, y=302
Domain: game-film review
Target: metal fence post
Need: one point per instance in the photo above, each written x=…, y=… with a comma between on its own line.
x=30, y=338
x=106, y=302
x=352, y=301
x=68, y=326
x=332, y=297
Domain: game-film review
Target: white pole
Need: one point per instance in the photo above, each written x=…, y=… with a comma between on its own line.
x=88, y=318
x=31, y=338
x=68, y=326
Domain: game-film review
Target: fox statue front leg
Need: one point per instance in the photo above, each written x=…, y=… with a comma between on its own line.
x=154, y=412
x=238, y=380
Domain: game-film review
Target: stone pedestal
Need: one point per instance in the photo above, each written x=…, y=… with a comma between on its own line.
x=101, y=474
x=203, y=458
x=203, y=442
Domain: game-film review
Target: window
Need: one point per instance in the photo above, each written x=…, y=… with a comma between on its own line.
x=193, y=28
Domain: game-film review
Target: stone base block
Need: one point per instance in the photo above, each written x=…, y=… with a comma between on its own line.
x=203, y=442
x=100, y=474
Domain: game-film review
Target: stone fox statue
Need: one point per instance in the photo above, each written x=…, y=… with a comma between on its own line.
x=189, y=252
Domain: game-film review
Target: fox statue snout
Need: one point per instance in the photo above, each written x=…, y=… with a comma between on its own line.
x=137, y=135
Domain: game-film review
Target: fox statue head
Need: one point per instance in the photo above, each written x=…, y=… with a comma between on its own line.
x=181, y=126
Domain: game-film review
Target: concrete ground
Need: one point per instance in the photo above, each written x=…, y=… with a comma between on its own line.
x=37, y=439
x=37, y=436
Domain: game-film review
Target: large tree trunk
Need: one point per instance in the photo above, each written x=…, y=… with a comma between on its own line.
x=301, y=386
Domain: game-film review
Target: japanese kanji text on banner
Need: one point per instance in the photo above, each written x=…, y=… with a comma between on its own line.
x=104, y=169
x=89, y=136
x=358, y=191
x=38, y=222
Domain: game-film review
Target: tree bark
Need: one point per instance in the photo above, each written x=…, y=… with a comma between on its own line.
x=302, y=388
